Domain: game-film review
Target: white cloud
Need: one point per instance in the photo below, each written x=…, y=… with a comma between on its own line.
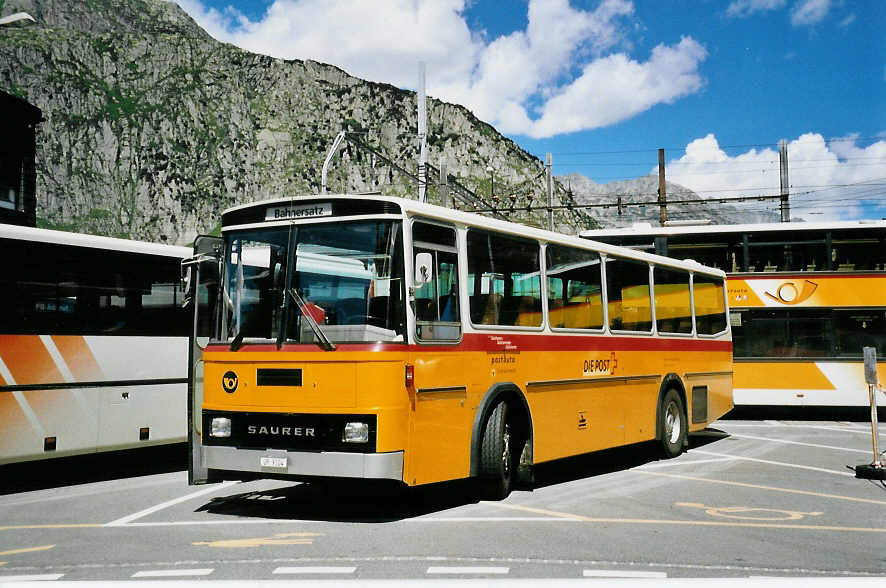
x=809, y=12
x=744, y=8
x=831, y=179
x=614, y=88
x=542, y=81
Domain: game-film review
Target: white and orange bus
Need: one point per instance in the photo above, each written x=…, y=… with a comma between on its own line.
x=805, y=299
x=380, y=338
x=93, y=344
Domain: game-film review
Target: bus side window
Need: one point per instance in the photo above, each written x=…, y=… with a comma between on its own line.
x=710, y=305
x=575, y=294
x=627, y=289
x=504, y=278
x=673, y=311
x=437, y=312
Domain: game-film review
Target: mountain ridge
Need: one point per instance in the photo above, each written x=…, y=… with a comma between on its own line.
x=152, y=127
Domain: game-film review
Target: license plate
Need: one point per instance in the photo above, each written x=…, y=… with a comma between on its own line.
x=273, y=462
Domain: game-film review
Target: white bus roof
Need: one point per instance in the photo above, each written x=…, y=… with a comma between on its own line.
x=432, y=211
x=92, y=241
x=647, y=229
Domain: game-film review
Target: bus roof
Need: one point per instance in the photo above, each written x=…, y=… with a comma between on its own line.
x=646, y=229
x=92, y=241
x=435, y=212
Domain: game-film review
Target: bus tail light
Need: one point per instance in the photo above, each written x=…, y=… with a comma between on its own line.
x=410, y=375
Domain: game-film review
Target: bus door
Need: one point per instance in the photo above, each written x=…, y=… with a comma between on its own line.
x=441, y=422
x=201, y=273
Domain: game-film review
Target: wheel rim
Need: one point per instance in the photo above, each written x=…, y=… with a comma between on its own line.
x=673, y=424
x=506, y=451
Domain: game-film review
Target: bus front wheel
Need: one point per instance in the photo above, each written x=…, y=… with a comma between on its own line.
x=672, y=424
x=497, y=464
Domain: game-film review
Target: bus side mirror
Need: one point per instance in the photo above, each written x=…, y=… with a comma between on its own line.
x=424, y=269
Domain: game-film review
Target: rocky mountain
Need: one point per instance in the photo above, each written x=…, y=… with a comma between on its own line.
x=604, y=198
x=152, y=128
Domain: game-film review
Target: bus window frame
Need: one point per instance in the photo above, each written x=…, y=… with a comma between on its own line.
x=539, y=258
x=689, y=276
x=546, y=295
x=651, y=332
x=725, y=289
x=413, y=331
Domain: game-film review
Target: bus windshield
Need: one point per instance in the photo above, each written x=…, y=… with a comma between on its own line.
x=324, y=283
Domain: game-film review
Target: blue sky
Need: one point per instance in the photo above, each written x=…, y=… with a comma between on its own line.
x=603, y=84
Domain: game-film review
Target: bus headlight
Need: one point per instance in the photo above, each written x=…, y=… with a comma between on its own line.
x=221, y=427
x=355, y=433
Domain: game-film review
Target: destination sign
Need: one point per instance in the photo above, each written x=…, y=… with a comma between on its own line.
x=299, y=211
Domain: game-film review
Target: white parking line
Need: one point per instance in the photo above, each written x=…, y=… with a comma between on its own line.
x=786, y=442
x=468, y=570
x=672, y=463
x=778, y=463
x=316, y=570
x=172, y=573
x=143, y=513
x=850, y=428
x=621, y=574
x=31, y=578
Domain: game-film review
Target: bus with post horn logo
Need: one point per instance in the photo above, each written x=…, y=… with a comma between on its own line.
x=804, y=298
x=378, y=338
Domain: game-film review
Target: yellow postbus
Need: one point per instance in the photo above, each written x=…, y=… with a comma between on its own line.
x=804, y=298
x=369, y=337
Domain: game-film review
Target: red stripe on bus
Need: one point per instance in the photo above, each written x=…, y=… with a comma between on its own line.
x=504, y=342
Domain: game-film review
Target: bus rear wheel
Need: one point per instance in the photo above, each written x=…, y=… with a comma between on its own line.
x=497, y=464
x=672, y=424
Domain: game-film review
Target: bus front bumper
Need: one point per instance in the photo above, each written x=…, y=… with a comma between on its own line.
x=380, y=466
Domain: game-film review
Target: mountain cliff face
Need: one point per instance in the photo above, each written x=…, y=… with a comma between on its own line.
x=152, y=128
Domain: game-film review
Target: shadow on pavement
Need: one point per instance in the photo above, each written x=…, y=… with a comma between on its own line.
x=611, y=460
x=95, y=467
x=345, y=502
x=362, y=502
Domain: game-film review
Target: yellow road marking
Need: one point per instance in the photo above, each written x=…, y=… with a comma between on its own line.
x=575, y=517
x=745, y=512
x=26, y=550
x=278, y=539
x=61, y=526
x=759, y=487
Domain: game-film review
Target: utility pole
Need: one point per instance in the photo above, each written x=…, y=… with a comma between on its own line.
x=662, y=194
x=549, y=178
x=785, y=206
x=422, y=135
x=444, y=184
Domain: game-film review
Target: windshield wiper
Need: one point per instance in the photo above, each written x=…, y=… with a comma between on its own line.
x=237, y=343
x=324, y=341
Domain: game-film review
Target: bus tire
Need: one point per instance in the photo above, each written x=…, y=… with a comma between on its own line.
x=672, y=424
x=497, y=464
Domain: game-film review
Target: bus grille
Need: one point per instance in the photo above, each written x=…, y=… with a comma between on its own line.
x=290, y=431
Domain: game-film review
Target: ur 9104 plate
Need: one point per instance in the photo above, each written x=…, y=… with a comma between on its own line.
x=274, y=462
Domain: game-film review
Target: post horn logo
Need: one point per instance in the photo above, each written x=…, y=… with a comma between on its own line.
x=792, y=293
x=229, y=382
